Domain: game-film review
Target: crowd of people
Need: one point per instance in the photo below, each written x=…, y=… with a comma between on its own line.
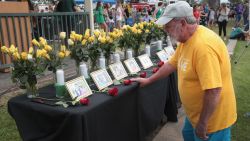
x=107, y=16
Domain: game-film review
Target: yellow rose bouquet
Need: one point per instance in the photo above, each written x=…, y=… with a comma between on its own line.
x=27, y=65
x=134, y=37
x=79, y=45
x=56, y=54
x=107, y=42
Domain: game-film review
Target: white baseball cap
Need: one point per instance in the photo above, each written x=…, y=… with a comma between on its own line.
x=179, y=9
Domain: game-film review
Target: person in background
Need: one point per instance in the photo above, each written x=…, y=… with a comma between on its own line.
x=245, y=13
x=204, y=76
x=211, y=16
x=223, y=19
x=106, y=13
x=126, y=13
x=239, y=10
x=196, y=13
x=119, y=15
x=67, y=6
x=158, y=11
x=147, y=18
x=99, y=16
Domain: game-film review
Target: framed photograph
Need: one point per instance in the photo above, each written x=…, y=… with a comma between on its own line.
x=145, y=61
x=101, y=78
x=118, y=71
x=78, y=88
x=132, y=65
x=163, y=56
x=169, y=50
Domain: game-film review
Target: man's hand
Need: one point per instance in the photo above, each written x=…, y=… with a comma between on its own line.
x=143, y=81
x=201, y=131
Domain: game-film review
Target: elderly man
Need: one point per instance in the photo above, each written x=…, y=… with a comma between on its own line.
x=204, y=76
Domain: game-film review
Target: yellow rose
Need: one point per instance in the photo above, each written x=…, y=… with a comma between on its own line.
x=31, y=50
x=72, y=37
x=102, y=40
x=24, y=55
x=146, y=31
x=103, y=34
x=70, y=42
x=73, y=32
x=41, y=53
x=91, y=39
x=139, y=31
x=84, y=42
x=16, y=56
x=63, y=48
x=134, y=30
x=4, y=49
x=30, y=57
x=61, y=55
x=97, y=33
x=12, y=49
x=38, y=53
x=141, y=26
x=62, y=35
x=44, y=53
x=124, y=27
x=43, y=41
x=67, y=53
x=35, y=43
x=78, y=37
x=87, y=34
x=47, y=56
x=48, y=48
x=110, y=40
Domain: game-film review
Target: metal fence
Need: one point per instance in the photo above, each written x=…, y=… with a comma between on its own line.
x=20, y=28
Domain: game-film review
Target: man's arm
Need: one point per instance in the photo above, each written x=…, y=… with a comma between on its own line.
x=164, y=71
x=210, y=101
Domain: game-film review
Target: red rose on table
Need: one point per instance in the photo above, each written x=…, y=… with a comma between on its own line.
x=160, y=64
x=143, y=74
x=127, y=82
x=84, y=101
x=155, y=70
x=113, y=91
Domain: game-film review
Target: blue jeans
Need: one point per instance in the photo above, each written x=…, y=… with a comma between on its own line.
x=188, y=133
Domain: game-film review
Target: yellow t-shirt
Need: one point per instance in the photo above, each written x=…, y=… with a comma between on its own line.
x=203, y=63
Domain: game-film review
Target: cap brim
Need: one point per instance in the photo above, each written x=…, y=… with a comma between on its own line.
x=163, y=20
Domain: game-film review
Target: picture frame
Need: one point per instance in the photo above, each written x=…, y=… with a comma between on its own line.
x=101, y=78
x=169, y=50
x=118, y=71
x=163, y=56
x=132, y=65
x=78, y=88
x=145, y=61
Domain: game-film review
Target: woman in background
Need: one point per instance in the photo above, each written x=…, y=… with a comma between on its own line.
x=222, y=19
x=100, y=17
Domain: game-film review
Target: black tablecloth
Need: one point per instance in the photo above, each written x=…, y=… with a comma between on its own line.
x=130, y=116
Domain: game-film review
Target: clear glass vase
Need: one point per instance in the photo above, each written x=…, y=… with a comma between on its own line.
x=32, y=90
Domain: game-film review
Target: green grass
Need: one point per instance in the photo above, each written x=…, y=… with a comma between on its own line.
x=241, y=79
x=8, y=129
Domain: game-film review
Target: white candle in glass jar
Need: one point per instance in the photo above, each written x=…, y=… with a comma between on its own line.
x=84, y=71
x=102, y=64
x=60, y=77
x=159, y=45
x=129, y=54
x=116, y=58
x=147, y=50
